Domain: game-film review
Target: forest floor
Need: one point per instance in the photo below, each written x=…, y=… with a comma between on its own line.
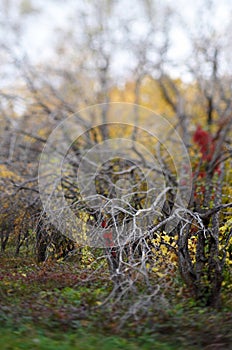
x=52, y=306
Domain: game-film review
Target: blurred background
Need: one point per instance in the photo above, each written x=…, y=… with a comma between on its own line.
x=173, y=57
x=86, y=52
x=60, y=56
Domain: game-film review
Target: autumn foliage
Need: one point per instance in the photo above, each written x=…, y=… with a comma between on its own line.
x=205, y=141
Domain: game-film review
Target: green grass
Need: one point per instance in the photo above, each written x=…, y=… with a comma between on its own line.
x=31, y=339
x=50, y=306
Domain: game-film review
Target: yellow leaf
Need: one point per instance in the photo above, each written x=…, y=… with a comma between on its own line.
x=160, y=274
x=166, y=239
x=155, y=269
x=164, y=249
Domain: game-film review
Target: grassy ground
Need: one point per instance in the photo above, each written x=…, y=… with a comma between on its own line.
x=51, y=306
x=33, y=339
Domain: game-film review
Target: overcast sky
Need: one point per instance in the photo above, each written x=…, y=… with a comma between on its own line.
x=39, y=29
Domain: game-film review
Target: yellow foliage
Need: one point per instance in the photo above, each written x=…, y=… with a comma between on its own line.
x=7, y=174
x=150, y=96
